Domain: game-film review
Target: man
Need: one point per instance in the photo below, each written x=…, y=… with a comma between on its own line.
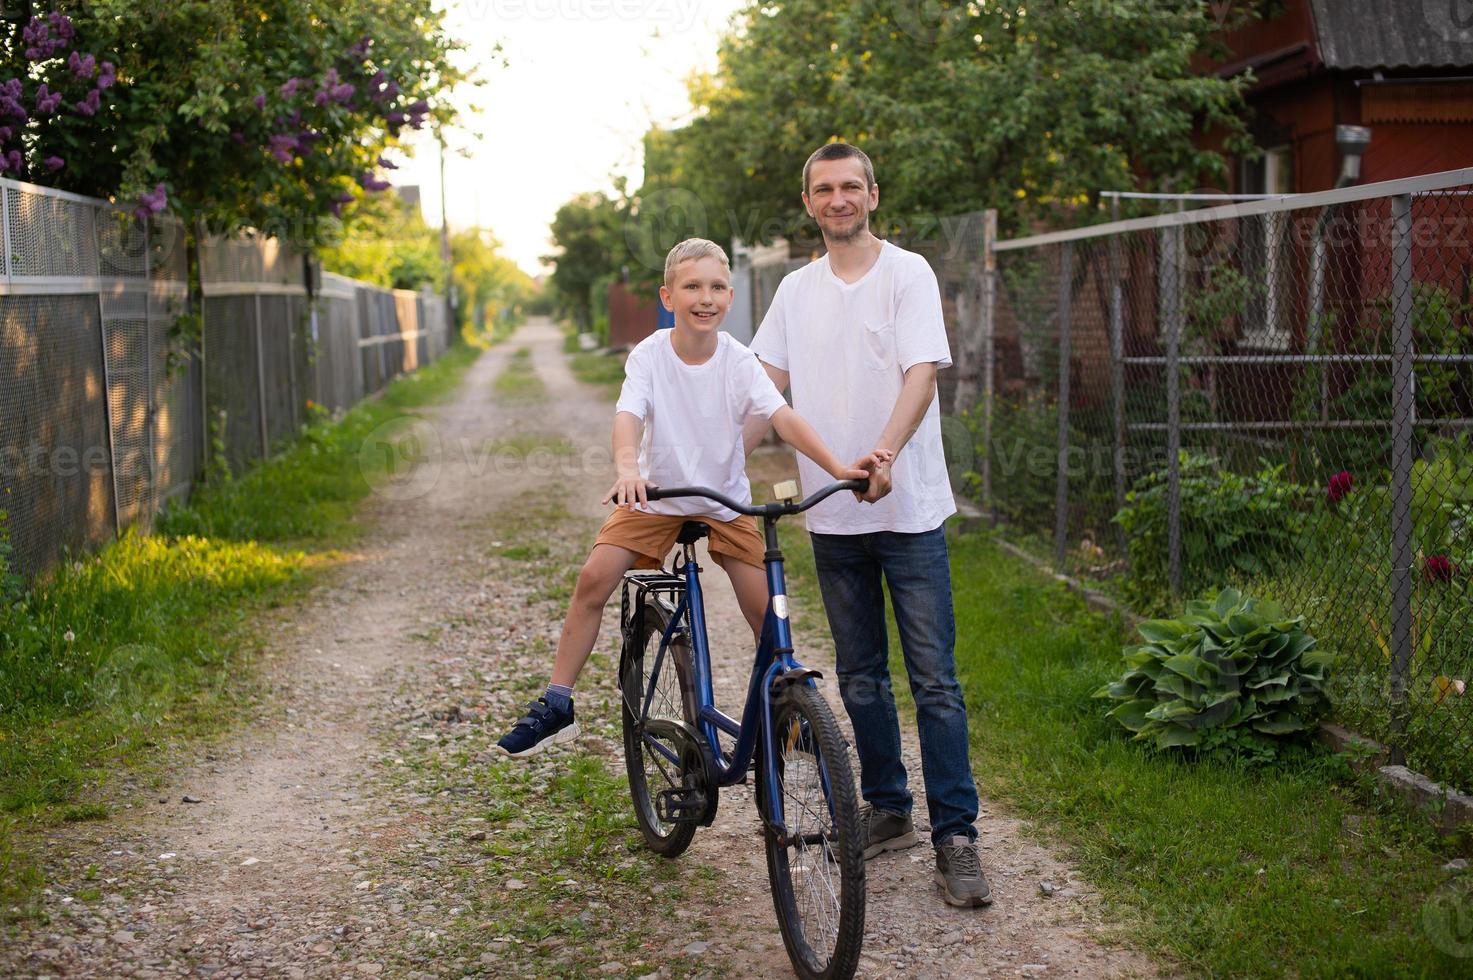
x=859, y=336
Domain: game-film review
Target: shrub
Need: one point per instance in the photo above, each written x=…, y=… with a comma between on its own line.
x=1229, y=676
x=1254, y=524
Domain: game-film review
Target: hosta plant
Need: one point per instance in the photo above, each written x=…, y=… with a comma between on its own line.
x=1233, y=673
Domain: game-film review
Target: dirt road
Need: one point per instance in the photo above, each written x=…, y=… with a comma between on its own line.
x=363, y=827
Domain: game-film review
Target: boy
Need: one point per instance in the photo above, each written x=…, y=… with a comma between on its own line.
x=692, y=389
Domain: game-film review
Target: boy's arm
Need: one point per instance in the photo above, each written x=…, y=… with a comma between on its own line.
x=629, y=487
x=754, y=430
x=794, y=430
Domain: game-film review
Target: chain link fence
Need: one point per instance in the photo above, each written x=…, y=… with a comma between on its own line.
x=108, y=410
x=1275, y=396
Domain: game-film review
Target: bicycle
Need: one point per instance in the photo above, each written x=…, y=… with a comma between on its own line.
x=677, y=763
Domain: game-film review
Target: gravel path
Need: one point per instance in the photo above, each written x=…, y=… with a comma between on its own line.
x=345, y=833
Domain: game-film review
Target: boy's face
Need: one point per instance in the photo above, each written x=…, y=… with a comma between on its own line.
x=699, y=294
x=839, y=200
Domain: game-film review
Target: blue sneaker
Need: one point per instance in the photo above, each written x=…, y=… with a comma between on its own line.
x=543, y=726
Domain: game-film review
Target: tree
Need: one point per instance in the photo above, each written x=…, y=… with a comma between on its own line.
x=589, y=232
x=962, y=105
x=494, y=290
x=272, y=114
x=389, y=244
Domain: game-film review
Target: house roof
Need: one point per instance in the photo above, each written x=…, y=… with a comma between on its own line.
x=1391, y=34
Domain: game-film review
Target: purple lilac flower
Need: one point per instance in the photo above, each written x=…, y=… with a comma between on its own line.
x=54, y=163
x=416, y=121
x=15, y=161
x=88, y=106
x=5, y=133
x=238, y=137
x=387, y=164
x=284, y=147
x=372, y=183
x=395, y=118
x=46, y=100
x=155, y=200
x=107, y=76
x=260, y=101
x=62, y=24
x=361, y=48
x=289, y=87
x=342, y=93
x=80, y=66
x=308, y=136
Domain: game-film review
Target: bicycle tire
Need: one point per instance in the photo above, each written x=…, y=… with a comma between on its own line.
x=671, y=700
x=823, y=931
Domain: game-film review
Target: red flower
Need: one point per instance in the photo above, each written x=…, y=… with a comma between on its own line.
x=1437, y=568
x=1339, y=486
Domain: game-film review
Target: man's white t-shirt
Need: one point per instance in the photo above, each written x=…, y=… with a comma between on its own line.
x=693, y=416
x=846, y=348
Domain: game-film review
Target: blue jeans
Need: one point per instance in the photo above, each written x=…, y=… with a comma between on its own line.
x=917, y=570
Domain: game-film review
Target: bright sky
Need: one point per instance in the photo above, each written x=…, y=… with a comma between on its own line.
x=585, y=79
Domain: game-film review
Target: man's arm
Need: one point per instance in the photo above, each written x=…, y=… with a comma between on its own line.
x=915, y=397
x=754, y=430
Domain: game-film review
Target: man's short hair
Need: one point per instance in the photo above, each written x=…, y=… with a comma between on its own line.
x=840, y=151
x=694, y=248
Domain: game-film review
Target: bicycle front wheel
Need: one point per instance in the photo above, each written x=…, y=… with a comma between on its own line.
x=815, y=859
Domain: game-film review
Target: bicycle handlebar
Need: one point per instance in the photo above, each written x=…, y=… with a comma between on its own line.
x=762, y=510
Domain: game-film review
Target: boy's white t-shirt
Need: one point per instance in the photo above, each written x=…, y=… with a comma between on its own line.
x=693, y=416
x=846, y=348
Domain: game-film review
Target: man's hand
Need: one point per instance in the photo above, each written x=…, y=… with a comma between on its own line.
x=876, y=466
x=627, y=491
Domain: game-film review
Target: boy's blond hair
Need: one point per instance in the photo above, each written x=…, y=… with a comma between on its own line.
x=693, y=248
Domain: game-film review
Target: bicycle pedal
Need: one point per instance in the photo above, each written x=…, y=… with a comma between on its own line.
x=680, y=805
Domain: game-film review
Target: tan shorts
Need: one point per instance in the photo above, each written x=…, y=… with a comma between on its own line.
x=651, y=536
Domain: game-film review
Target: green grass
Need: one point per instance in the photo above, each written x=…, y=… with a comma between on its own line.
x=148, y=642
x=518, y=380
x=1221, y=871
x=603, y=370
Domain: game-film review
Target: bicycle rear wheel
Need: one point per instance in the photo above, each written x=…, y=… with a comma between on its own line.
x=657, y=763
x=815, y=860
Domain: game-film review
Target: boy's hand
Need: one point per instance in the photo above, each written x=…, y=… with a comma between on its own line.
x=627, y=491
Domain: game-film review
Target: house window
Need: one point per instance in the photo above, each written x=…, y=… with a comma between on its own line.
x=1267, y=314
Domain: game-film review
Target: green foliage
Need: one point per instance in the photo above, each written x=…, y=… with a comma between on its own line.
x=388, y=244
x=11, y=583
x=1253, y=524
x=493, y=291
x=961, y=105
x=589, y=234
x=1229, y=676
x=183, y=112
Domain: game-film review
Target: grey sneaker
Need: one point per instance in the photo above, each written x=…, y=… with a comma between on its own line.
x=884, y=831
x=959, y=873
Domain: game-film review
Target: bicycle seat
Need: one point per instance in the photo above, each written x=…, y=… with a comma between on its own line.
x=692, y=531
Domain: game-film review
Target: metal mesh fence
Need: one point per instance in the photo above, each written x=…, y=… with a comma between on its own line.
x=1275, y=397
x=108, y=411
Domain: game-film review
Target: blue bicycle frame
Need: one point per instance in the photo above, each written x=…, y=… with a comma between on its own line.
x=774, y=665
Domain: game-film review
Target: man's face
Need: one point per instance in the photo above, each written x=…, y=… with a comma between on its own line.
x=699, y=294
x=838, y=199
